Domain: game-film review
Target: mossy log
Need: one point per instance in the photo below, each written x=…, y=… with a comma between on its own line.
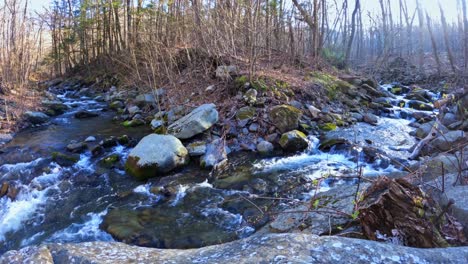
x=397, y=210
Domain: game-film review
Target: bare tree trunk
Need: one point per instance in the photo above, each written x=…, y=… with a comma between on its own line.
x=446, y=39
x=357, y=6
x=434, y=45
x=465, y=36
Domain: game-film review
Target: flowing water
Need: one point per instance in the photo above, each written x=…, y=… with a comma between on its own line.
x=189, y=208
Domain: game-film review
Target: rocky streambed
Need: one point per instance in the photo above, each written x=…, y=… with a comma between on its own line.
x=70, y=180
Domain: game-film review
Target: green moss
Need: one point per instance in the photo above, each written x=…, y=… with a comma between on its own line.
x=260, y=85
x=123, y=140
x=110, y=160
x=140, y=173
x=162, y=130
x=396, y=90
x=328, y=126
x=240, y=81
x=246, y=112
x=332, y=84
x=64, y=160
x=133, y=123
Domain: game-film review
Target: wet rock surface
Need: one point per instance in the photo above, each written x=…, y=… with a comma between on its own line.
x=289, y=248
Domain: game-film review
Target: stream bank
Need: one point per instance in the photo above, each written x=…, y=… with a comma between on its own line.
x=73, y=188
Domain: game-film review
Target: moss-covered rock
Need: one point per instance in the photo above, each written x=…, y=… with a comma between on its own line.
x=109, y=161
x=332, y=84
x=133, y=123
x=419, y=105
x=328, y=126
x=246, y=113
x=65, y=160
x=293, y=141
x=116, y=105
x=285, y=117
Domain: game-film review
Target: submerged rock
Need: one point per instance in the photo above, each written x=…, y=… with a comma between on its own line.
x=156, y=155
x=199, y=120
x=294, y=141
x=85, y=114
x=261, y=248
x=77, y=147
x=285, y=117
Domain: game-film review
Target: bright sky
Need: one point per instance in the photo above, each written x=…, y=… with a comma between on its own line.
x=432, y=6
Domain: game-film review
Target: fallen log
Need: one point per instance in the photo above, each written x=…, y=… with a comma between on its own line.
x=396, y=210
x=435, y=131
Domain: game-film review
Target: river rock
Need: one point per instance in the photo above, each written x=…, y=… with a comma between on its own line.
x=419, y=95
x=197, y=148
x=85, y=114
x=448, y=119
x=4, y=189
x=90, y=139
x=265, y=148
x=36, y=118
x=156, y=155
x=226, y=72
x=175, y=113
x=422, y=117
x=134, y=123
x=158, y=126
x=454, y=191
x=145, y=99
x=426, y=128
x=250, y=97
x=431, y=168
x=116, y=105
x=371, y=119
x=419, y=105
x=314, y=111
x=65, y=160
x=133, y=110
x=77, y=147
x=293, y=141
x=285, y=117
x=449, y=140
x=259, y=248
x=55, y=107
x=245, y=114
x=199, y=120
x=215, y=154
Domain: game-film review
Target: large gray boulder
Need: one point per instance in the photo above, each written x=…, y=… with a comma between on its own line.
x=260, y=248
x=197, y=121
x=449, y=140
x=36, y=118
x=426, y=128
x=156, y=155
